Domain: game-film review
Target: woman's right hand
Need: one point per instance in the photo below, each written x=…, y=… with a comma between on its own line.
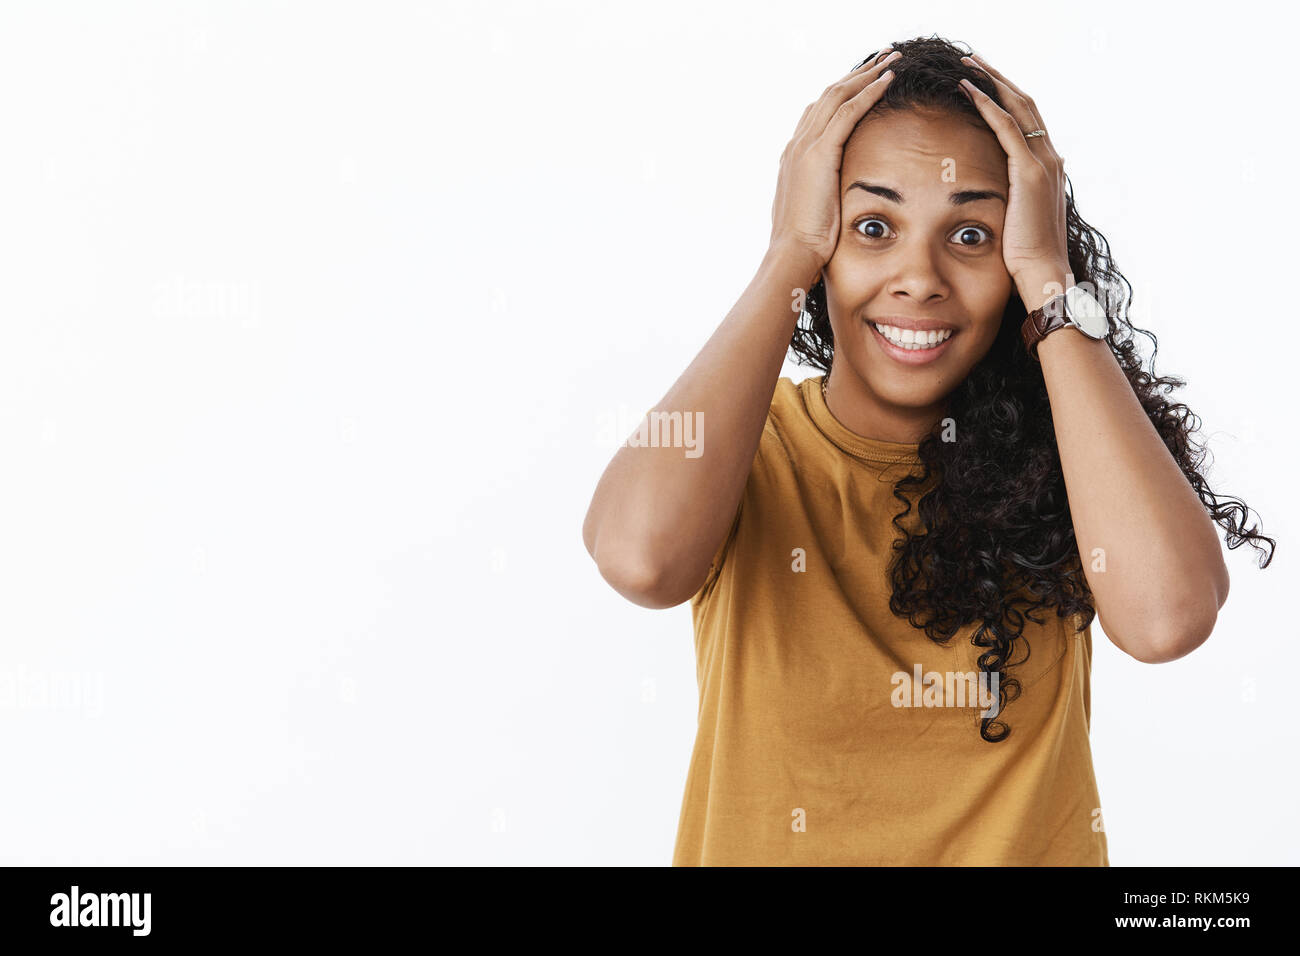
x=806, y=210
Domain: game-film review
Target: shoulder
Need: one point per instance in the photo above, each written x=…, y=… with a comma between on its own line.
x=788, y=418
x=788, y=396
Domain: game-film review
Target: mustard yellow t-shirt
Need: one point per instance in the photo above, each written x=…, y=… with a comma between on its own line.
x=805, y=754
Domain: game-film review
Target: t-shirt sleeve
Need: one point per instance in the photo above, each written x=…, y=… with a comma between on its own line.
x=767, y=442
x=715, y=567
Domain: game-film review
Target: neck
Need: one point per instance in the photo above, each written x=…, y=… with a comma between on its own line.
x=864, y=413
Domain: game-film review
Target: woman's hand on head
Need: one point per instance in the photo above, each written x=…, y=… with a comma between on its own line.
x=1035, y=241
x=806, y=210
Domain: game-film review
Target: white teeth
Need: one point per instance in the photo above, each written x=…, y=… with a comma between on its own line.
x=910, y=340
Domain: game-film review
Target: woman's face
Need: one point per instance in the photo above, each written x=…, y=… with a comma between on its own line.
x=921, y=246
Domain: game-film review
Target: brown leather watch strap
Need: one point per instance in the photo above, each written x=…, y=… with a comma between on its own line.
x=1039, y=323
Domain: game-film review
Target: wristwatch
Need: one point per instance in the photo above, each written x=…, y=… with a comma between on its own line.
x=1073, y=307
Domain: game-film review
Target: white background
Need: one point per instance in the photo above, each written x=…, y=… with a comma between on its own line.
x=316, y=315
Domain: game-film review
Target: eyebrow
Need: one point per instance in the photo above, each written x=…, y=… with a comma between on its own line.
x=958, y=198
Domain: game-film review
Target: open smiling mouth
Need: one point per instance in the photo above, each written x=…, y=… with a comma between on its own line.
x=915, y=352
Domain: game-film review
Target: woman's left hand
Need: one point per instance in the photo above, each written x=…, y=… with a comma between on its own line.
x=1033, y=234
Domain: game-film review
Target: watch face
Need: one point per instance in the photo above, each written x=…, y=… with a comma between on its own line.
x=1086, y=312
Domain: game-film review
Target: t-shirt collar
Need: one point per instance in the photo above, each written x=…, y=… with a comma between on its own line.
x=864, y=449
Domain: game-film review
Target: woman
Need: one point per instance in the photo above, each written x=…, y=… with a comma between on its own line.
x=893, y=566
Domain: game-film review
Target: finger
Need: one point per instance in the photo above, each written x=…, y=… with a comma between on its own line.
x=1014, y=101
x=847, y=115
x=838, y=93
x=1022, y=106
x=1007, y=130
x=1032, y=107
x=808, y=125
x=862, y=70
x=873, y=58
x=992, y=71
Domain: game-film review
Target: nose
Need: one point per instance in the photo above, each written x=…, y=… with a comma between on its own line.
x=915, y=273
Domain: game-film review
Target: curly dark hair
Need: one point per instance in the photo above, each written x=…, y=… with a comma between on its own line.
x=999, y=540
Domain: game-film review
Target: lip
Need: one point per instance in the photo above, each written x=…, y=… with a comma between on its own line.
x=910, y=356
x=916, y=325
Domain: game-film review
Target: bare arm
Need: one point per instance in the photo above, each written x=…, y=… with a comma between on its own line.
x=659, y=515
x=1150, y=551
x=1136, y=517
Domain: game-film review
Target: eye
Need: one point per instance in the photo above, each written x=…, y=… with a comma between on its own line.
x=879, y=227
x=879, y=224
x=964, y=230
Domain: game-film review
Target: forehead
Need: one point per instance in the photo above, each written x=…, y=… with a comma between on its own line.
x=914, y=148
